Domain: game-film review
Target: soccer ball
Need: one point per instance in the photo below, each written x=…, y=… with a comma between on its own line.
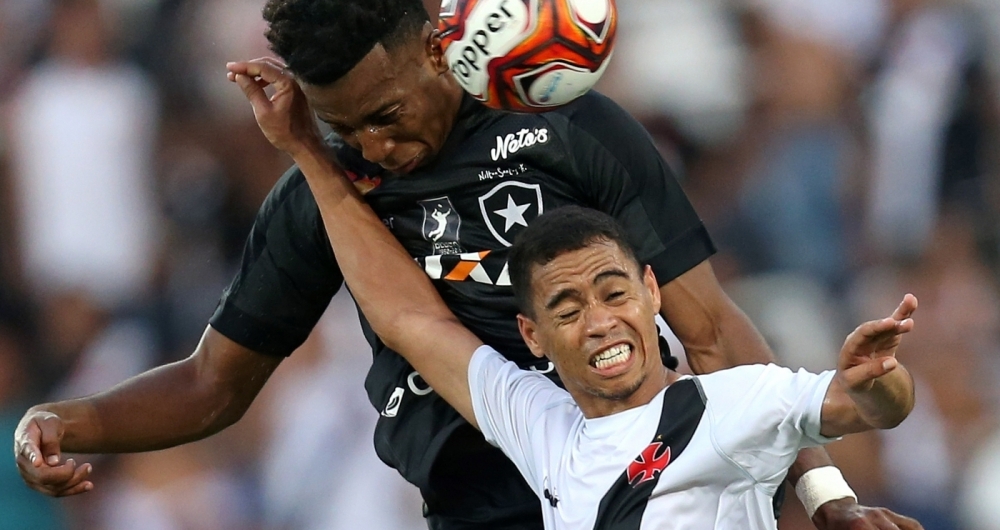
x=527, y=55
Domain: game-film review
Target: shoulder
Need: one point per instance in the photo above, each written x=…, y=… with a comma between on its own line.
x=491, y=368
x=763, y=386
x=599, y=133
x=599, y=116
x=732, y=385
x=290, y=192
x=498, y=383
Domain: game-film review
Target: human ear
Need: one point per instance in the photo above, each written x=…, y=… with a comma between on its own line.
x=435, y=51
x=528, y=330
x=649, y=280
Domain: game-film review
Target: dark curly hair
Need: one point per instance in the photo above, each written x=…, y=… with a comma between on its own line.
x=322, y=40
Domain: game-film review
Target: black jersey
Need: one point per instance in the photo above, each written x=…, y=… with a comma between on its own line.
x=458, y=217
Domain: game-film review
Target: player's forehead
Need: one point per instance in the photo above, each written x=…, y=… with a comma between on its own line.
x=581, y=270
x=381, y=78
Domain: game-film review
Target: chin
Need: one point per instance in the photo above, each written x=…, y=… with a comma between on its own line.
x=620, y=392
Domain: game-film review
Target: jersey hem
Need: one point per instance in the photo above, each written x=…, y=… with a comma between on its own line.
x=682, y=254
x=251, y=333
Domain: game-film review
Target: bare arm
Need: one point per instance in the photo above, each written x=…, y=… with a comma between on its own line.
x=872, y=390
x=715, y=333
x=170, y=405
x=396, y=297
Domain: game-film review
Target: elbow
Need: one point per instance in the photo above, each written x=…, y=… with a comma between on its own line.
x=218, y=400
x=219, y=412
x=399, y=332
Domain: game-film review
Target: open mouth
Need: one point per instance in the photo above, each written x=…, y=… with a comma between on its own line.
x=611, y=357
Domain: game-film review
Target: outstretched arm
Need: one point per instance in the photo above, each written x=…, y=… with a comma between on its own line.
x=167, y=406
x=716, y=334
x=872, y=390
x=398, y=299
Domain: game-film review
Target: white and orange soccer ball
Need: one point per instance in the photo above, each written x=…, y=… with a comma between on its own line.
x=528, y=55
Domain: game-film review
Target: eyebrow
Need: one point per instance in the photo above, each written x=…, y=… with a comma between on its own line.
x=560, y=296
x=366, y=119
x=612, y=273
x=569, y=292
x=381, y=110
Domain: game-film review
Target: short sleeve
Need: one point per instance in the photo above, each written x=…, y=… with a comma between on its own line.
x=287, y=274
x=762, y=415
x=517, y=410
x=624, y=175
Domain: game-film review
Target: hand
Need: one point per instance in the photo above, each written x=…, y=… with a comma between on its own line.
x=870, y=350
x=39, y=459
x=285, y=118
x=847, y=514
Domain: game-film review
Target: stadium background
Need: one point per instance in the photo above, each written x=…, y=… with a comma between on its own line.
x=842, y=152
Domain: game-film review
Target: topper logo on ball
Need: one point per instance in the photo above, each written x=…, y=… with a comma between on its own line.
x=527, y=55
x=492, y=29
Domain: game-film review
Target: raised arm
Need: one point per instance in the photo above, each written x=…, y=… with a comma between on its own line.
x=872, y=390
x=398, y=299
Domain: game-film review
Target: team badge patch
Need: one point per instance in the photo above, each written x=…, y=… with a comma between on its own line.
x=623, y=505
x=650, y=462
x=441, y=226
x=509, y=207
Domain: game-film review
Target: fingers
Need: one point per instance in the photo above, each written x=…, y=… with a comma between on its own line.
x=256, y=75
x=39, y=441
x=78, y=482
x=874, y=330
x=65, y=479
x=867, y=333
x=76, y=490
x=906, y=307
x=39, y=457
x=903, y=522
x=28, y=445
x=268, y=69
x=859, y=376
x=50, y=436
x=253, y=91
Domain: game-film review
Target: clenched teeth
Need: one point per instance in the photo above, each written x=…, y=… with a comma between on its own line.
x=613, y=356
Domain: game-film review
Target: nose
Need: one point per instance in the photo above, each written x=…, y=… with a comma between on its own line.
x=600, y=321
x=376, y=146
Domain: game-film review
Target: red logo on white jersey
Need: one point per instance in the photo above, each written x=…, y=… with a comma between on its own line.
x=650, y=462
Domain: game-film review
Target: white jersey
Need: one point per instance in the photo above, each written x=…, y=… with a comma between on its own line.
x=706, y=452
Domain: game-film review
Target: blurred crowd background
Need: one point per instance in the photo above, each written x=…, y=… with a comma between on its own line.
x=841, y=152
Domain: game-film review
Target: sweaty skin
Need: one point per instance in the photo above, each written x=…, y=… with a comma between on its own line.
x=584, y=302
x=196, y=397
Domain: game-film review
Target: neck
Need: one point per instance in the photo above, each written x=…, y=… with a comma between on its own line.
x=594, y=406
x=453, y=91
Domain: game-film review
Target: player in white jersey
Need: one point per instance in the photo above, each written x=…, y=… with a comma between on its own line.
x=628, y=443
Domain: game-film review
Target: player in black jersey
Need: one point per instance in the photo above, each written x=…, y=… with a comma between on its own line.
x=454, y=182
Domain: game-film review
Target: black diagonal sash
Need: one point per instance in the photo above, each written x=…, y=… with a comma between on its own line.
x=623, y=505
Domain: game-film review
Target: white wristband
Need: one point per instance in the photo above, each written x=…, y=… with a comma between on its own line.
x=821, y=485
